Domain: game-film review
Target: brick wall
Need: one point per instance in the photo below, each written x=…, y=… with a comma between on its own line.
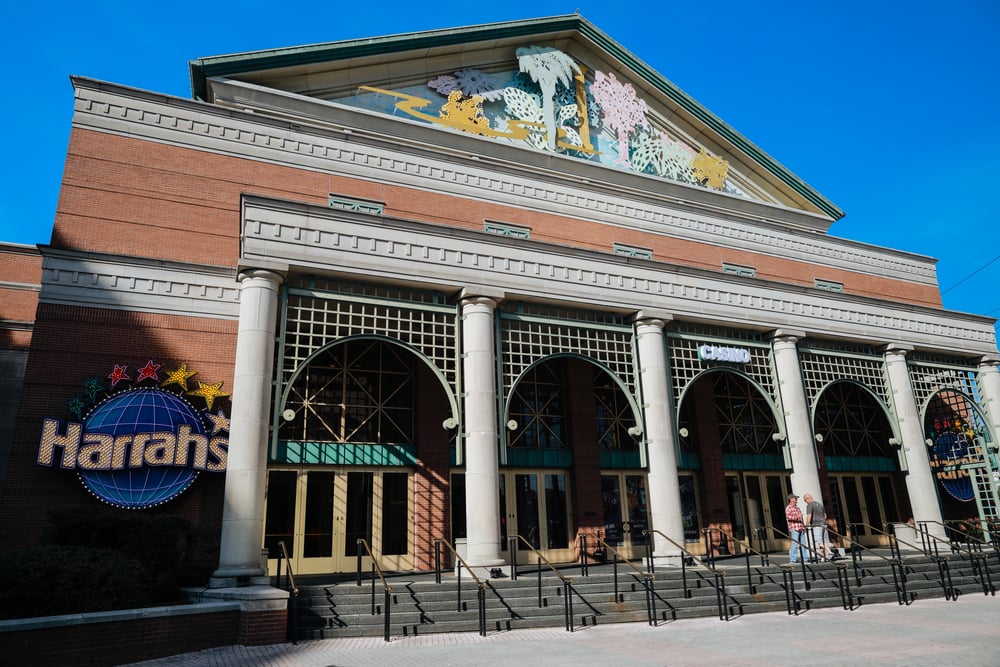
x=124, y=641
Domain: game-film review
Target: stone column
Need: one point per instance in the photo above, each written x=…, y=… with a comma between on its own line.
x=989, y=380
x=661, y=446
x=798, y=425
x=920, y=484
x=240, y=561
x=479, y=426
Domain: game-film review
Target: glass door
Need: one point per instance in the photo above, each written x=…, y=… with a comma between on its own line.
x=626, y=513
x=321, y=514
x=536, y=507
x=864, y=502
x=757, y=508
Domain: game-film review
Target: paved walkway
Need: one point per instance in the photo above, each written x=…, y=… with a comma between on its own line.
x=928, y=632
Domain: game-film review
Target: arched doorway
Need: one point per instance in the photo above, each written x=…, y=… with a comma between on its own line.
x=864, y=487
x=958, y=441
x=731, y=461
x=360, y=452
x=573, y=464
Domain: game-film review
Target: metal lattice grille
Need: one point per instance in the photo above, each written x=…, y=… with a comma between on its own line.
x=685, y=364
x=820, y=368
x=526, y=338
x=315, y=318
x=929, y=378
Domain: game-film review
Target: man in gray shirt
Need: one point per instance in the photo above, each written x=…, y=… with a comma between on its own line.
x=816, y=524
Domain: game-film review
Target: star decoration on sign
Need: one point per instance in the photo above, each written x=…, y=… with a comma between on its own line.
x=118, y=374
x=220, y=422
x=179, y=377
x=209, y=392
x=149, y=371
x=92, y=387
x=76, y=407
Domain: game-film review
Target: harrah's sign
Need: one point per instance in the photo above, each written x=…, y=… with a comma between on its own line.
x=140, y=444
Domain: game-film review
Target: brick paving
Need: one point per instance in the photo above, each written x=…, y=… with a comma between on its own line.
x=928, y=632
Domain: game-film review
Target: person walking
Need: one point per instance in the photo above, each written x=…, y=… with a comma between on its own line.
x=796, y=528
x=815, y=522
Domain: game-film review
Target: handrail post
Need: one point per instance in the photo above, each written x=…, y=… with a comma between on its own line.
x=373, y=587
x=720, y=596
x=753, y=586
x=614, y=565
x=482, y=610
x=788, y=583
x=584, y=565
x=652, y=598
x=569, y=594
x=512, y=550
x=539, y=561
x=437, y=561
x=359, y=562
x=388, y=610
x=458, y=600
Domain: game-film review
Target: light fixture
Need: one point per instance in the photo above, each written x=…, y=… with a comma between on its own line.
x=288, y=415
x=635, y=431
x=818, y=437
x=683, y=432
x=512, y=425
x=449, y=423
x=895, y=442
x=778, y=437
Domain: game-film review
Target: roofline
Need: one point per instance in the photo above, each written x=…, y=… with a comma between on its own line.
x=220, y=66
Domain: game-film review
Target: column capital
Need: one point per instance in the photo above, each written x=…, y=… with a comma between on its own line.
x=481, y=294
x=988, y=363
x=259, y=267
x=787, y=336
x=896, y=351
x=657, y=318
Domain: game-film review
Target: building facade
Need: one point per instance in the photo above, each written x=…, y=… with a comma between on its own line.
x=501, y=286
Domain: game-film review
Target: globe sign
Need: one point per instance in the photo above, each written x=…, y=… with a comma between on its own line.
x=140, y=411
x=949, y=449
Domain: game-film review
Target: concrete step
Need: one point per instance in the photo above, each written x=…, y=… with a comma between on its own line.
x=420, y=606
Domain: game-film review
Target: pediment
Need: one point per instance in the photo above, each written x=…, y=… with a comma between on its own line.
x=555, y=85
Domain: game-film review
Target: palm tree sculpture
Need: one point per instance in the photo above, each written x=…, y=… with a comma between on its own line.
x=546, y=67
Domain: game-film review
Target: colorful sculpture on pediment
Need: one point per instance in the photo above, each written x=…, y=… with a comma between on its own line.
x=552, y=104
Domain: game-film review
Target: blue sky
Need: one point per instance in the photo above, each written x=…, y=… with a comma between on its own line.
x=889, y=108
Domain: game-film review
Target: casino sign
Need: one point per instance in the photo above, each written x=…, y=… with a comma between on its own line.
x=140, y=444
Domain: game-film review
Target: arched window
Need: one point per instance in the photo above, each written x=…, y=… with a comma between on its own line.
x=538, y=407
x=360, y=392
x=852, y=423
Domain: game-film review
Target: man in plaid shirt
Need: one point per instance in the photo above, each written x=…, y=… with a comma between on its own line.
x=796, y=528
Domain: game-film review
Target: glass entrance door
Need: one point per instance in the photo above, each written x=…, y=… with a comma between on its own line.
x=536, y=507
x=757, y=506
x=320, y=514
x=864, y=501
x=626, y=513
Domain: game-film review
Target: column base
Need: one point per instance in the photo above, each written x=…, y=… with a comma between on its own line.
x=674, y=559
x=238, y=578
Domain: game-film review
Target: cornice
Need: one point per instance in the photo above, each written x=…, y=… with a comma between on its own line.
x=375, y=247
x=136, y=284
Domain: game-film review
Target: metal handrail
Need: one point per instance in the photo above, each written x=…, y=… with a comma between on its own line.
x=896, y=563
x=647, y=578
x=920, y=526
x=289, y=575
x=481, y=585
x=686, y=556
x=387, y=589
x=293, y=590
x=747, y=550
x=567, y=581
x=978, y=559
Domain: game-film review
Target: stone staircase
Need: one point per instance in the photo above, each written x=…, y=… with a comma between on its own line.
x=418, y=605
